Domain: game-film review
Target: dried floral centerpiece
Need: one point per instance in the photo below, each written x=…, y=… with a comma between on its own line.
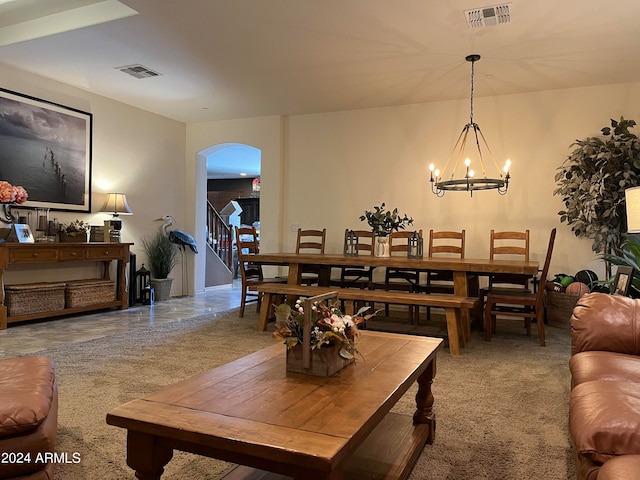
x=75, y=231
x=331, y=335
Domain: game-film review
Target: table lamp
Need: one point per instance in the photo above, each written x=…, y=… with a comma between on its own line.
x=115, y=203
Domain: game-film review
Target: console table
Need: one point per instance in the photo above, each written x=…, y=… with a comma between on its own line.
x=54, y=253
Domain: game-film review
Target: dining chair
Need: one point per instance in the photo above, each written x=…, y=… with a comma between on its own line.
x=403, y=279
x=443, y=243
x=359, y=277
x=247, y=243
x=506, y=245
x=311, y=241
x=524, y=304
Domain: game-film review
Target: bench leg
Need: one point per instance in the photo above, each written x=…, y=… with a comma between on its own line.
x=265, y=309
x=453, y=321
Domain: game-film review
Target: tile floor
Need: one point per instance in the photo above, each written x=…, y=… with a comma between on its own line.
x=31, y=337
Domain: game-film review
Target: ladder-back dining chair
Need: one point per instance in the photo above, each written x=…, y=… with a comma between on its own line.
x=506, y=245
x=310, y=241
x=247, y=243
x=448, y=244
x=359, y=277
x=403, y=279
x=523, y=304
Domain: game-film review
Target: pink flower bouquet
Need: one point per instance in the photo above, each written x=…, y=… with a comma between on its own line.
x=11, y=194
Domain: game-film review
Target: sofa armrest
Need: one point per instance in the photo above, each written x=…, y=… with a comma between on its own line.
x=606, y=322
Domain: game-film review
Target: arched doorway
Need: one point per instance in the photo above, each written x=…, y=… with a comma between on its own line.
x=233, y=197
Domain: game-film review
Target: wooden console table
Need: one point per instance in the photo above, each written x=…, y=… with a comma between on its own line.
x=53, y=253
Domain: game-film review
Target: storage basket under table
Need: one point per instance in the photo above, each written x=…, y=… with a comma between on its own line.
x=82, y=293
x=33, y=298
x=559, y=307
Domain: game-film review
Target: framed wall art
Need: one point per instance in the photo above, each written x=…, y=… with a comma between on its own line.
x=46, y=148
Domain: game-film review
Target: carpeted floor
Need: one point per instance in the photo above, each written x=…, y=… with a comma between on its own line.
x=502, y=407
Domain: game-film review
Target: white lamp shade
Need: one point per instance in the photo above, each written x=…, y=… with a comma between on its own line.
x=632, y=198
x=116, y=203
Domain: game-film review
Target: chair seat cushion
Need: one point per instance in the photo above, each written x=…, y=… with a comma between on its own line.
x=27, y=389
x=603, y=419
x=598, y=365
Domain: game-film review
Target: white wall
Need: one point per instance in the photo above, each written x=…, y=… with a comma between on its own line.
x=135, y=152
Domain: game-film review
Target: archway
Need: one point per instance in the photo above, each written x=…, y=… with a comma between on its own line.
x=233, y=197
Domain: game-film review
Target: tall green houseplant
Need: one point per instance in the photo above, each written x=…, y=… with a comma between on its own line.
x=161, y=254
x=592, y=181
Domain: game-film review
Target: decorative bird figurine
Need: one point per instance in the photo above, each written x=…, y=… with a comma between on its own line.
x=179, y=237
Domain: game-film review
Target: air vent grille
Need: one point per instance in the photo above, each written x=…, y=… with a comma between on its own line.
x=488, y=16
x=138, y=71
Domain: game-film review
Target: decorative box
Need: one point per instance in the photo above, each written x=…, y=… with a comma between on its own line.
x=82, y=293
x=325, y=361
x=33, y=298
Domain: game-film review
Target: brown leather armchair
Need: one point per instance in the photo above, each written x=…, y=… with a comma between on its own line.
x=28, y=417
x=604, y=411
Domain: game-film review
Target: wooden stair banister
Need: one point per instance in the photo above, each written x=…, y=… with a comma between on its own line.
x=220, y=237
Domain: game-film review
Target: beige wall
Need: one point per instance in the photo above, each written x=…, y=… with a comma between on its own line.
x=134, y=152
x=324, y=170
x=340, y=164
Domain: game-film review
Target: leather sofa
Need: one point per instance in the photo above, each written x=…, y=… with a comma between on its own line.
x=604, y=410
x=28, y=418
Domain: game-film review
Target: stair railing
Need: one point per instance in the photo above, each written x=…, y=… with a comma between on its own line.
x=220, y=236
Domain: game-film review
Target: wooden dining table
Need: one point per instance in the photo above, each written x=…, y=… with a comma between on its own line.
x=462, y=268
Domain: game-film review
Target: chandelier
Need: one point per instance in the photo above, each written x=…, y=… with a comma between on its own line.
x=444, y=180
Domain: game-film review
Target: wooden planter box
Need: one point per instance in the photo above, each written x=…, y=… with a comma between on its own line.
x=325, y=361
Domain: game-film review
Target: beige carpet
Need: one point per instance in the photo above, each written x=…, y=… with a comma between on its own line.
x=501, y=406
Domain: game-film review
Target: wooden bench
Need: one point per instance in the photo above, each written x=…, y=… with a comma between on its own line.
x=453, y=305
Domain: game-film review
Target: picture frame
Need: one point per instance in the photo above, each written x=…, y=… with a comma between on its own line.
x=622, y=281
x=46, y=148
x=20, y=233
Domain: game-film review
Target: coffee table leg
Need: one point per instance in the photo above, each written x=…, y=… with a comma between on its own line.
x=145, y=456
x=424, y=401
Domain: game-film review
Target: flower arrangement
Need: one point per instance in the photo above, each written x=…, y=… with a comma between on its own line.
x=12, y=194
x=329, y=326
x=383, y=221
x=75, y=228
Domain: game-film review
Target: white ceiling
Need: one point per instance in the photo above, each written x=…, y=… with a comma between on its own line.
x=224, y=59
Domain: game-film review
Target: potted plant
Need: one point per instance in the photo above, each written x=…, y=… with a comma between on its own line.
x=161, y=258
x=592, y=181
x=383, y=222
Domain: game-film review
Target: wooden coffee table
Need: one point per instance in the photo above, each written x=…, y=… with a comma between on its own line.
x=252, y=413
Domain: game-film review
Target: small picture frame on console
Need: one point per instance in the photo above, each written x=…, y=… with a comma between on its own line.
x=622, y=281
x=20, y=233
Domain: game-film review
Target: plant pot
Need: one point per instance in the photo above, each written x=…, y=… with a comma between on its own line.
x=325, y=361
x=162, y=288
x=382, y=247
x=80, y=237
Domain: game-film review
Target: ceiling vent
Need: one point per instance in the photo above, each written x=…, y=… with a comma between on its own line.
x=488, y=16
x=138, y=71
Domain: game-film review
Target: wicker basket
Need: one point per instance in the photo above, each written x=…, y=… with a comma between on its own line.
x=82, y=293
x=33, y=298
x=559, y=307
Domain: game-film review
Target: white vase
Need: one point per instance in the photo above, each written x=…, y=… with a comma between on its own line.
x=382, y=247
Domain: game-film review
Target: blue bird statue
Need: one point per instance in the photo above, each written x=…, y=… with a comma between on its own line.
x=179, y=237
